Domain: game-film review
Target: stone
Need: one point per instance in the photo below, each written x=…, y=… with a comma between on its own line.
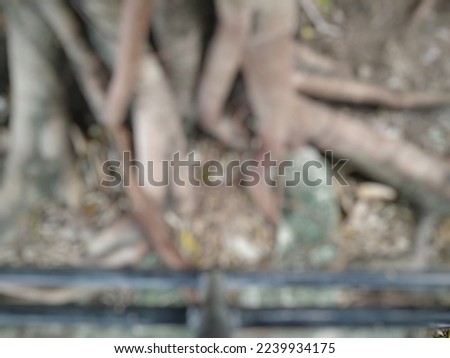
x=311, y=212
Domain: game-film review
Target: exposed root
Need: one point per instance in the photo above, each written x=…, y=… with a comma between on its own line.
x=84, y=60
x=122, y=244
x=179, y=28
x=354, y=92
x=316, y=61
x=55, y=296
x=423, y=178
x=426, y=227
x=223, y=61
x=420, y=13
x=88, y=69
x=148, y=213
x=134, y=26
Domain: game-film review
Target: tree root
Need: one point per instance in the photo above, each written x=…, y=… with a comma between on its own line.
x=88, y=70
x=134, y=27
x=179, y=28
x=84, y=60
x=125, y=236
x=223, y=60
x=423, y=178
x=420, y=13
x=39, y=163
x=54, y=296
x=284, y=117
x=306, y=56
x=358, y=93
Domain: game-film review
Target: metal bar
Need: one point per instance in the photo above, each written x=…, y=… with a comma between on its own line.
x=72, y=315
x=363, y=280
x=172, y=280
x=349, y=317
x=323, y=317
x=100, y=279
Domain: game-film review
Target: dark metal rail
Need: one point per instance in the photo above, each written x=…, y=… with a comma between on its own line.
x=101, y=279
x=248, y=318
x=171, y=280
x=146, y=280
x=14, y=315
x=349, y=317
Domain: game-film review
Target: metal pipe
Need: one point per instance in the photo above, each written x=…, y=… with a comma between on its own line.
x=101, y=279
x=304, y=317
x=172, y=280
x=349, y=317
x=363, y=280
x=14, y=315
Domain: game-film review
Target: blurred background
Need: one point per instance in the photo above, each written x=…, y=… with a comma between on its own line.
x=310, y=81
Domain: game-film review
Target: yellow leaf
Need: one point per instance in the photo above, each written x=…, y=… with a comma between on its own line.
x=307, y=32
x=189, y=243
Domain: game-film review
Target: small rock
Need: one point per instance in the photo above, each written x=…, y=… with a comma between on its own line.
x=311, y=213
x=375, y=191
